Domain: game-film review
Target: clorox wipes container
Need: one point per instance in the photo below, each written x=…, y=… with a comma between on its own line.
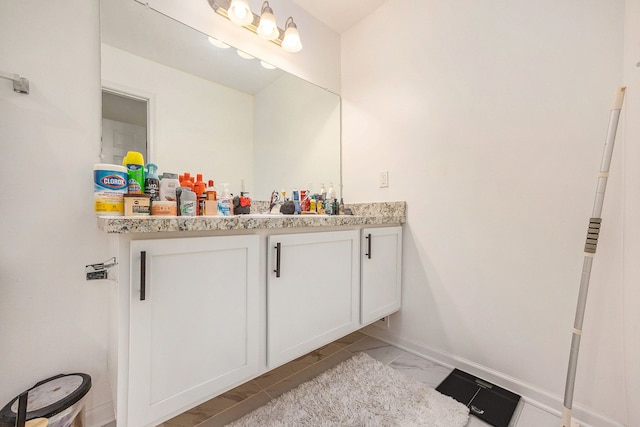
x=109, y=187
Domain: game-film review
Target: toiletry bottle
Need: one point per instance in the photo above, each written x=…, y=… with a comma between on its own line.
x=341, y=207
x=225, y=201
x=134, y=162
x=178, y=194
x=152, y=183
x=328, y=207
x=199, y=188
x=211, y=191
x=296, y=200
x=168, y=185
x=312, y=204
x=330, y=194
x=188, y=202
x=186, y=181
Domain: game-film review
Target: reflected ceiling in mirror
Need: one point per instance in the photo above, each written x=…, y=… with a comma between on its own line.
x=144, y=32
x=215, y=113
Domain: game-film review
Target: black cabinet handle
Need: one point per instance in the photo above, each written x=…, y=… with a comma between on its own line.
x=21, y=415
x=368, y=254
x=143, y=275
x=277, y=270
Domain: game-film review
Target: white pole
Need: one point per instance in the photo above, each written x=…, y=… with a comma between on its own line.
x=589, y=254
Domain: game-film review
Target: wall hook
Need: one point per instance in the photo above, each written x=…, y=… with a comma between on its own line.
x=20, y=84
x=100, y=270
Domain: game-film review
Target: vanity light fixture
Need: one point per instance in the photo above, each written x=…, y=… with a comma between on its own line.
x=239, y=12
x=265, y=26
x=267, y=29
x=291, y=40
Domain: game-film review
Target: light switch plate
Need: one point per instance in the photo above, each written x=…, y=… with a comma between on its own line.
x=384, y=179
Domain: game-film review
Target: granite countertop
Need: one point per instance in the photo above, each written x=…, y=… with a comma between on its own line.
x=363, y=214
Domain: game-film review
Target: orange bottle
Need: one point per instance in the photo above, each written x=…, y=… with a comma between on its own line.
x=185, y=181
x=199, y=188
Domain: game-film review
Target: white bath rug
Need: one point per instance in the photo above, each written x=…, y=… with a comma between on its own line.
x=360, y=392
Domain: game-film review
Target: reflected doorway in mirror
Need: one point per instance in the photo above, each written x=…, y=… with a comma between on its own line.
x=124, y=126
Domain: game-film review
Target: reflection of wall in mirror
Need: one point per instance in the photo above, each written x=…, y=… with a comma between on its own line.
x=200, y=126
x=297, y=137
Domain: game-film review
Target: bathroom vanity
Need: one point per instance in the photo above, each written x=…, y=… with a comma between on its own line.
x=203, y=304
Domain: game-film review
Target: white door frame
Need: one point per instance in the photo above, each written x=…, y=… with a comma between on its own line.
x=140, y=95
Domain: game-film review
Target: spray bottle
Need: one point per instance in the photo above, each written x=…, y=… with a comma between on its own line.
x=134, y=162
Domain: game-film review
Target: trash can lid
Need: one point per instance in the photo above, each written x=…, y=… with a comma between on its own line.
x=50, y=397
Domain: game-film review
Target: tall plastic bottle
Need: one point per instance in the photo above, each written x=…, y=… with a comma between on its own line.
x=225, y=201
x=188, y=202
x=199, y=187
x=330, y=202
x=186, y=182
x=330, y=193
x=168, y=185
x=152, y=183
x=134, y=162
x=212, y=192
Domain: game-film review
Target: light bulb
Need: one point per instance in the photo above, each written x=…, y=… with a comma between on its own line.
x=239, y=13
x=291, y=41
x=267, y=65
x=219, y=44
x=243, y=54
x=268, y=29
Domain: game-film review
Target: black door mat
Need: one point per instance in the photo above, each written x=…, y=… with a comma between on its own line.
x=490, y=403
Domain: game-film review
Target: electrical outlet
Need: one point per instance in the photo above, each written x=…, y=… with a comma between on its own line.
x=384, y=179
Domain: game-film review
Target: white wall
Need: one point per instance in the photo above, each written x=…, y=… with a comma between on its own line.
x=190, y=132
x=51, y=319
x=490, y=117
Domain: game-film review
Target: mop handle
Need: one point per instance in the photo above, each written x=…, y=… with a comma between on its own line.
x=591, y=243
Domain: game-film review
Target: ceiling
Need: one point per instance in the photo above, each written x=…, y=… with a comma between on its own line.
x=339, y=15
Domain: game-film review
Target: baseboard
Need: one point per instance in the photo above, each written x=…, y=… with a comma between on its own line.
x=100, y=416
x=532, y=395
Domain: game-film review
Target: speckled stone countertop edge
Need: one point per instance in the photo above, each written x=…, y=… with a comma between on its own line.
x=364, y=214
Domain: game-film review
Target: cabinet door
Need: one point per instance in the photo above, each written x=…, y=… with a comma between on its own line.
x=314, y=296
x=194, y=322
x=381, y=272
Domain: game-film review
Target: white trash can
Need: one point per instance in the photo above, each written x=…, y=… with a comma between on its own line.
x=59, y=400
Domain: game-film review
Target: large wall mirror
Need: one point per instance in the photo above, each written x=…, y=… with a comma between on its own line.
x=193, y=107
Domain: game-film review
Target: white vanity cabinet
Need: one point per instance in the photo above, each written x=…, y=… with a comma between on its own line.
x=194, y=323
x=313, y=291
x=202, y=305
x=381, y=272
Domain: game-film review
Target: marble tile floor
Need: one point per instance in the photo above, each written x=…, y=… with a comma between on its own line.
x=249, y=396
